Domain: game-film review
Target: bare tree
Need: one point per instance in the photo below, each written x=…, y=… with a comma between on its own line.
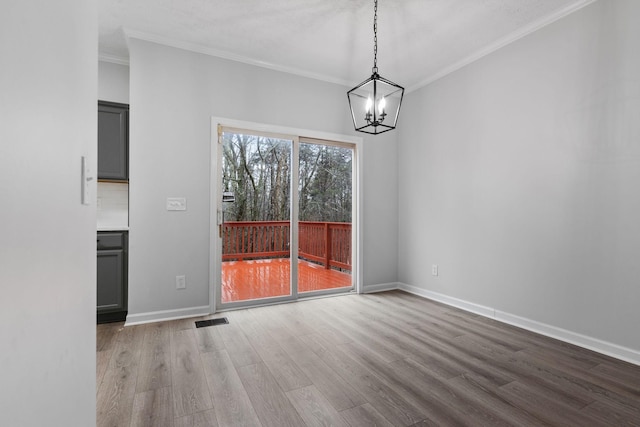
x=258, y=171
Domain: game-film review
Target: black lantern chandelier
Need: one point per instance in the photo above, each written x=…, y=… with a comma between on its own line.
x=375, y=103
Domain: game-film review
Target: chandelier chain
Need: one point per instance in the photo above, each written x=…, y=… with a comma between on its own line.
x=375, y=35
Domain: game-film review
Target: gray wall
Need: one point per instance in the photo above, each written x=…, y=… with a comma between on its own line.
x=48, y=85
x=173, y=95
x=519, y=177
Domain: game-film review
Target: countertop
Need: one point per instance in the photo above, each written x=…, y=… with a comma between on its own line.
x=113, y=228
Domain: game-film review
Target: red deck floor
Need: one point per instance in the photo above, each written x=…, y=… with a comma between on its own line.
x=247, y=280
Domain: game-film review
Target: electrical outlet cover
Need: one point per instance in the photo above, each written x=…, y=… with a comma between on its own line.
x=181, y=282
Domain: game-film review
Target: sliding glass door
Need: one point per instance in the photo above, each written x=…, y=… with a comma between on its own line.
x=325, y=193
x=284, y=218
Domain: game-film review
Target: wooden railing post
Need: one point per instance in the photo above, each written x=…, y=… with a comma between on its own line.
x=327, y=246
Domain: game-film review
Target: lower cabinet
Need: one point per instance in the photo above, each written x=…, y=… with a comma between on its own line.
x=112, y=276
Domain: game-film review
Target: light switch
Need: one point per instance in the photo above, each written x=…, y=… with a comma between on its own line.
x=176, y=204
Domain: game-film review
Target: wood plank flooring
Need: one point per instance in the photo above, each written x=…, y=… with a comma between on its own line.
x=387, y=359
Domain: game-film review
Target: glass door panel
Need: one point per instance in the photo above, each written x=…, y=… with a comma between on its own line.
x=256, y=218
x=325, y=190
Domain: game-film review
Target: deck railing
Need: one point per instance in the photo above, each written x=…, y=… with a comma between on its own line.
x=325, y=243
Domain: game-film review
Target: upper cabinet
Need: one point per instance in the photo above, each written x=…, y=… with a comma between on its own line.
x=113, y=141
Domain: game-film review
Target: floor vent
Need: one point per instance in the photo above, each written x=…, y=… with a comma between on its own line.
x=211, y=322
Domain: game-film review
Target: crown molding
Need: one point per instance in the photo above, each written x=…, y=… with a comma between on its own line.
x=198, y=48
x=105, y=57
x=504, y=41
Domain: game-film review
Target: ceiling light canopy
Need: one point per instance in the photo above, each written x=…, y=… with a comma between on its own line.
x=375, y=103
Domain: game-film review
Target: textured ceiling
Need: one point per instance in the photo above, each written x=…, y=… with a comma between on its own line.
x=418, y=40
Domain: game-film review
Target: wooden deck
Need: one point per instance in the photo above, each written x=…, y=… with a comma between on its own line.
x=265, y=278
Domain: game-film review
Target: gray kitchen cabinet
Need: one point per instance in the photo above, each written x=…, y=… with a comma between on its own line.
x=113, y=141
x=112, y=276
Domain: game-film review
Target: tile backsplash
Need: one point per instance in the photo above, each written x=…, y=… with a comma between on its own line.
x=113, y=204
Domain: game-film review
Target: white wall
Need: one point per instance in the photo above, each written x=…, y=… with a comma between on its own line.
x=519, y=177
x=113, y=82
x=174, y=93
x=48, y=87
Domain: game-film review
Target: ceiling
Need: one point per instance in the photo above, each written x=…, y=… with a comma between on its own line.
x=418, y=40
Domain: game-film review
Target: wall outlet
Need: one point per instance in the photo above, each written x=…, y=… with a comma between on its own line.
x=434, y=270
x=181, y=282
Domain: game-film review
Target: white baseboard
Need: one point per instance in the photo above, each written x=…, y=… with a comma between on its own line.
x=604, y=347
x=381, y=287
x=160, y=316
x=445, y=299
x=590, y=343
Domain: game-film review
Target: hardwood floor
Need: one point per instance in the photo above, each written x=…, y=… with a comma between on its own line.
x=387, y=359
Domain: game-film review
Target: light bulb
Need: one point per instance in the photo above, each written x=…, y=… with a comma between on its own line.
x=368, y=106
x=381, y=104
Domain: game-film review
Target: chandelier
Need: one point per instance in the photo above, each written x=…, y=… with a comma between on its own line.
x=375, y=103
